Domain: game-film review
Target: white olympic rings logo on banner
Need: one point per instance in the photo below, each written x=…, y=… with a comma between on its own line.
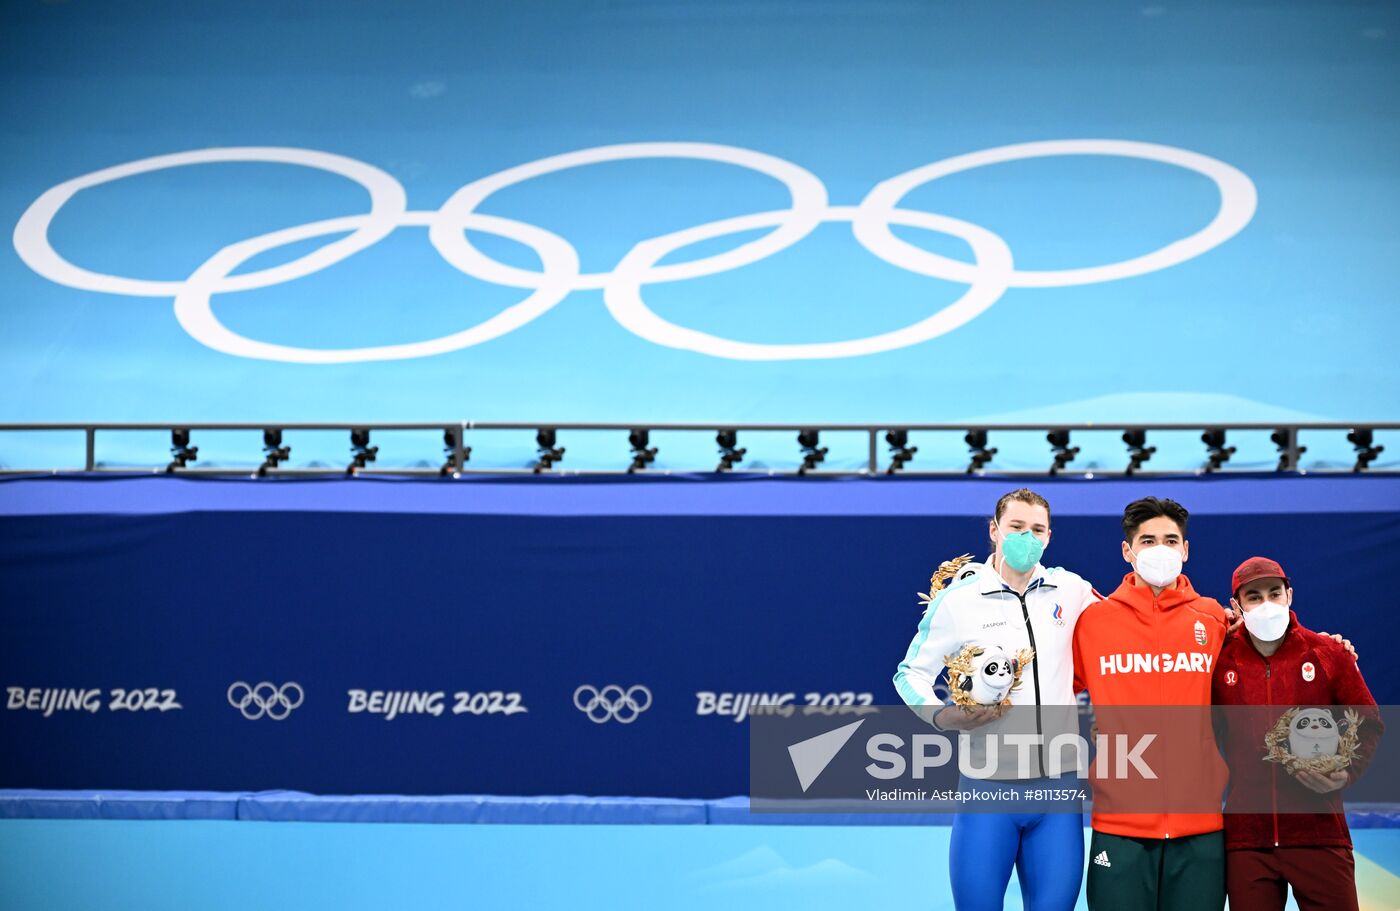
x=265, y=699
x=612, y=703
x=988, y=276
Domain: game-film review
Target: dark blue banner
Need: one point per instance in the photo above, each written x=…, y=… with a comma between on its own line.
x=565, y=636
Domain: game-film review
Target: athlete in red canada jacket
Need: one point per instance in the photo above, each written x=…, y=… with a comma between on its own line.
x=1308, y=669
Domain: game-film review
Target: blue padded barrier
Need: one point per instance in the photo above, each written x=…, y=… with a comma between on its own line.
x=572, y=809
x=294, y=806
x=1373, y=816
x=32, y=803
x=734, y=811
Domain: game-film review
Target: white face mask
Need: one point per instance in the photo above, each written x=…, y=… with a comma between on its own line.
x=1267, y=621
x=1158, y=565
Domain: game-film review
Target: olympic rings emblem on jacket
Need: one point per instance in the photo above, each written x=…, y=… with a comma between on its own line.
x=265, y=699
x=987, y=277
x=612, y=703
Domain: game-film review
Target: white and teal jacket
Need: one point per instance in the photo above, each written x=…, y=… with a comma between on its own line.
x=980, y=608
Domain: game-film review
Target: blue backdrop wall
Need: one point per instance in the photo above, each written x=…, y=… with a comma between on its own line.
x=145, y=593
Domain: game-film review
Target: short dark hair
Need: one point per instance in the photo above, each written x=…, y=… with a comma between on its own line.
x=1140, y=511
x=1022, y=495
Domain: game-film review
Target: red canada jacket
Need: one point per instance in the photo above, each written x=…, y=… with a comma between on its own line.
x=1307, y=670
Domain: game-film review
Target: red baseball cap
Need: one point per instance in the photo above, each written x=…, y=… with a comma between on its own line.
x=1256, y=568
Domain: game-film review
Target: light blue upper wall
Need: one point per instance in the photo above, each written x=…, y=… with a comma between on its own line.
x=1291, y=318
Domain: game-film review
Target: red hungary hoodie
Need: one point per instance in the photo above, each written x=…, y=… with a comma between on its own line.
x=1134, y=649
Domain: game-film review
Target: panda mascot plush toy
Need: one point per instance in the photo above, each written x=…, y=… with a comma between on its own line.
x=1313, y=734
x=994, y=673
x=968, y=570
x=985, y=675
x=1314, y=739
x=956, y=569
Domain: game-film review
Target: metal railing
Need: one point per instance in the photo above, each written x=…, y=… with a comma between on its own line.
x=457, y=454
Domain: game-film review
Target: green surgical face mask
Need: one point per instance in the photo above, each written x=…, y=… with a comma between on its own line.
x=1022, y=550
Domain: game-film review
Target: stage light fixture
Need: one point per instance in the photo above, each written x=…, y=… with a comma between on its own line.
x=1289, y=452
x=976, y=441
x=1217, y=453
x=1363, y=441
x=180, y=449
x=1138, y=450
x=900, y=450
x=812, y=451
x=730, y=453
x=1064, y=453
x=641, y=455
x=361, y=452
x=548, y=452
x=449, y=449
x=274, y=453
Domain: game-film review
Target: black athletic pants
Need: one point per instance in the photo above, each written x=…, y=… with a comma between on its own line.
x=1157, y=874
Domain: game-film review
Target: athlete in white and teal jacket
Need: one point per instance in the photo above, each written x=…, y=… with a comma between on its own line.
x=1015, y=603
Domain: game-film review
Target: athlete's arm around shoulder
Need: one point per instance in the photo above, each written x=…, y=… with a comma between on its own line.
x=1083, y=648
x=1212, y=609
x=1079, y=594
x=1349, y=689
x=1343, y=673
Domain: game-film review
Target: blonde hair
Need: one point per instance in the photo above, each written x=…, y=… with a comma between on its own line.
x=1023, y=495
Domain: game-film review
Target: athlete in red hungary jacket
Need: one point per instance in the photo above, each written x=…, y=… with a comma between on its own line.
x=1134, y=649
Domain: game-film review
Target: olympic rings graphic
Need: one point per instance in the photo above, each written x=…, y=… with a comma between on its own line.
x=195, y=313
x=265, y=699
x=990, y=274
x=807, y=192
x=624, y=299
x=612, y=703
x=1238, y=200
x=387, y=200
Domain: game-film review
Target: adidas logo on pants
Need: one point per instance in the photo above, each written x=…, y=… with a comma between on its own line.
x=1186, y=873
